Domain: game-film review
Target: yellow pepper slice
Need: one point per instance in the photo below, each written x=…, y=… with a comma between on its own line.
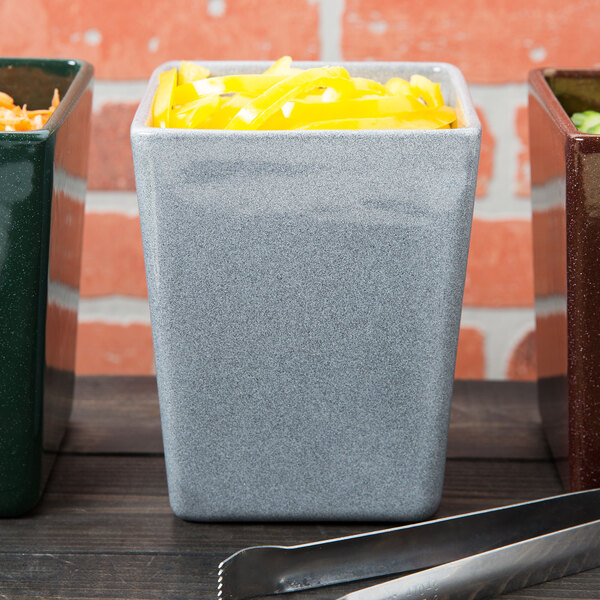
x=360, y=88
x=428, y=118
x=428, y=90
x=192, y=114
x=369, y=85
x=228, y=109
x=255, y=113
x=434, y=118
x=297, y=113
x=161, y=109
x=289, y=98
x=326, y=94
x=364, y=123
x=446, y=114
x=376, y=123
x=249, y=84
x=189, y=72
x=280, y=66
x=314, y=97
x=398, y=86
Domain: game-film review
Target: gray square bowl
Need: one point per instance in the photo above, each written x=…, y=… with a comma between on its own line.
x=305, y=293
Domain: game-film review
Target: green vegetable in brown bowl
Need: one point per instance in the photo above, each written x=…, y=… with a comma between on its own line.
x=587, y=121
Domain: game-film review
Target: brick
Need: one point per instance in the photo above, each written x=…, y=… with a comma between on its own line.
x=550, y=251
x=490, y=42
x=108, y=349
x=127, y=40
x=470, y=356
x=127, y=350
x=547, y=145
x=72, y=157
x=61, y=332
x=522, y=184
x=113, y=260
x=65, y=240
x=522, y=364
x=500, y=269
x=111, y=160
x=486, y=156
x=551, y=331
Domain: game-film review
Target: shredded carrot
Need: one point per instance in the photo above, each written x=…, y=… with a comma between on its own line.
x=5, y=100
x=17, y=118
x=55, y=99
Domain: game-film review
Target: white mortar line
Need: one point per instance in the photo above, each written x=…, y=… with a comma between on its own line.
x=122, y=203
x=549, y=195
x=62, y=295
x=111, y=92
x=73, y=185
x=499, y=104
x=114, y=310
x=330, y=29
x=489, y=217
x=551, y=305
x=503, y=329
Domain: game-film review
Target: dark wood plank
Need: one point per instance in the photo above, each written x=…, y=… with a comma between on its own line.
x=495, y=419
x=107, y=576
x=104, y=528
x=114, y=414
x=488, y=419
x=479, y=483
x=111, y=503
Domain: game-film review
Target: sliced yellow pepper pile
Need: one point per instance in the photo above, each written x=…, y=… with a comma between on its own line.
x=284, y=97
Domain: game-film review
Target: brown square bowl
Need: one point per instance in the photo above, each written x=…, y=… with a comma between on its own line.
x=565, y=176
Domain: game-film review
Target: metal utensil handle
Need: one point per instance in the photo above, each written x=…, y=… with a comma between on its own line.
x=499, y=571
x=268, y=570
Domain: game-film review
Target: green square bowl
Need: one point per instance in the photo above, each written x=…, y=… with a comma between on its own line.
x=42, y=193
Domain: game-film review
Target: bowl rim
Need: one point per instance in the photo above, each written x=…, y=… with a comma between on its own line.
x=455, y=76
x=540, y=88
x=83, y=77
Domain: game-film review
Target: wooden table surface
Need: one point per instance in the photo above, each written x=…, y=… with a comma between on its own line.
x=104, y=528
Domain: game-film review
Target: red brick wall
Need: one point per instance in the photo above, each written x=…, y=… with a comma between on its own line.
x=494, y=43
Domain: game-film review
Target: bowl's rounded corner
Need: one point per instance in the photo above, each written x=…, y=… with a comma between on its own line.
x=180, y=508
x=86, y=69
x=428, y=502
x=184, y=507
x=537, y=77
x=20, y=502
x=139, y=129
x=451, y=67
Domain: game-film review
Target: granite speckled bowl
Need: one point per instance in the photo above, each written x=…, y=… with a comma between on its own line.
x=42, y=190
x=565, y=174
x=305, y=293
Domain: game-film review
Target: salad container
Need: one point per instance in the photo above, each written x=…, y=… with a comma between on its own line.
x=42, y=191
x=565, y=173
x=305, y=293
